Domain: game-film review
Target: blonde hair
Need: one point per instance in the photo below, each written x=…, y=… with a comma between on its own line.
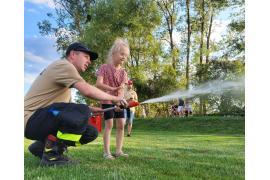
x=118, y=43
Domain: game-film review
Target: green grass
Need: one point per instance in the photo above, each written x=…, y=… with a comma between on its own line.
x=183, y=148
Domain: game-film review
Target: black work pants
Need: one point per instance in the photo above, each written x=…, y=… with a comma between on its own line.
x=66, y=121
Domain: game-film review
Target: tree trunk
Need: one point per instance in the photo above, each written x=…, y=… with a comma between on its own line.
x=138, y=54
x=168, y=13
x=204, y=109
x=208, y=36
x=202, y=32
x=204, y=106
x=172, y=48
x=201, y=106
x=188, y=43
x=171, y=26
x=201, y=50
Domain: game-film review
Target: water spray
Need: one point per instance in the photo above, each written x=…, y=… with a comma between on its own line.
x=215, y=87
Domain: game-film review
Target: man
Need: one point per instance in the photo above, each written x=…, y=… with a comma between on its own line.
x=130, y=94
x=50, y=118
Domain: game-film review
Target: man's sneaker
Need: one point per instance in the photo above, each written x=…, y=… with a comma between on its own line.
x=128, y=135
x=108, y=156
x=121, y=154
x=70, y=160
x=36, y=148
x=53, y=154
x=51, y=158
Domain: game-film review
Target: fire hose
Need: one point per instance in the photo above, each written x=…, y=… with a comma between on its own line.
x=130, y=105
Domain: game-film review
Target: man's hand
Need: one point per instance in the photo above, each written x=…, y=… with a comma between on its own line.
x=121, y=102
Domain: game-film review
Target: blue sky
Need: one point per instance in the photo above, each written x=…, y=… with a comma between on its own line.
x=39, y=51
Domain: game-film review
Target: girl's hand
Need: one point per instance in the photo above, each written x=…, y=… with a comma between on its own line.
x=117, y=88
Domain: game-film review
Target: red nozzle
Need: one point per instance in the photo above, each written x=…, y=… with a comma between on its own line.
x=133, y=104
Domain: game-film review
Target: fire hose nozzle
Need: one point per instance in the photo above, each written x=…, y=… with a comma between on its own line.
x=130, y=104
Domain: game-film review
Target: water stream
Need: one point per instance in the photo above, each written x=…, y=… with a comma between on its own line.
x=215, y=87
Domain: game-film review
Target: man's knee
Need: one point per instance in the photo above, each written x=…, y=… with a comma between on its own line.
x=90, y=134
x=36, y=148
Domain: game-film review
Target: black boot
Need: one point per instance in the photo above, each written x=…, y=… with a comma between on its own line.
x=53, y=154
x=36, y=148
x=62, y=147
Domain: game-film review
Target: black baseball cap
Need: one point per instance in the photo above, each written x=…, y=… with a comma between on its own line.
x=80, y=47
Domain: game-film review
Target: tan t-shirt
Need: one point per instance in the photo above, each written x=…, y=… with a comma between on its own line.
x=51, y=86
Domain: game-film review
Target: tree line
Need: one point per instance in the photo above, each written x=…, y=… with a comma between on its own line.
x=171, y=44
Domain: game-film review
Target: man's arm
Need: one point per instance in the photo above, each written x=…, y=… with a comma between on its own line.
x=94, y=93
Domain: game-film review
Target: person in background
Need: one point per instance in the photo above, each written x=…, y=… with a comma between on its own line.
x=173, y=110
x=180, y=108
x=143, y=112
x=130, y=95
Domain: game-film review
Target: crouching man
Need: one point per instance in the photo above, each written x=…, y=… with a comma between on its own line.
x=50, y=118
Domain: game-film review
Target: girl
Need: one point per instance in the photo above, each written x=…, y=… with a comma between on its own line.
x=111, y=78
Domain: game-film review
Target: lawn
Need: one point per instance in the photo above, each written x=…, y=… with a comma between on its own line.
x=176, y=148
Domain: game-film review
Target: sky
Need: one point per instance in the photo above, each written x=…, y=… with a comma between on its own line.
x=40, y=51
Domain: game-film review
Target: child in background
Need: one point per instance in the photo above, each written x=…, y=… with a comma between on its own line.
x=130, y=94
x=112, y=77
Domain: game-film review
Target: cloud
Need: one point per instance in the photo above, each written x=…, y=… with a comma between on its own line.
x=41, y=46
x=31, y=10
x=39, y=52
x=28, y=56
x=48, y=3
x=33, y=65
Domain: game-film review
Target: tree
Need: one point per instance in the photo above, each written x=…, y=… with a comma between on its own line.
x=235, y=39
x=228, y=101
x=202, y=19
x=136, y=21
x=71, y=17
x=150, y=26
x=169, y=11
x=214, y=7
x=188, y=41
